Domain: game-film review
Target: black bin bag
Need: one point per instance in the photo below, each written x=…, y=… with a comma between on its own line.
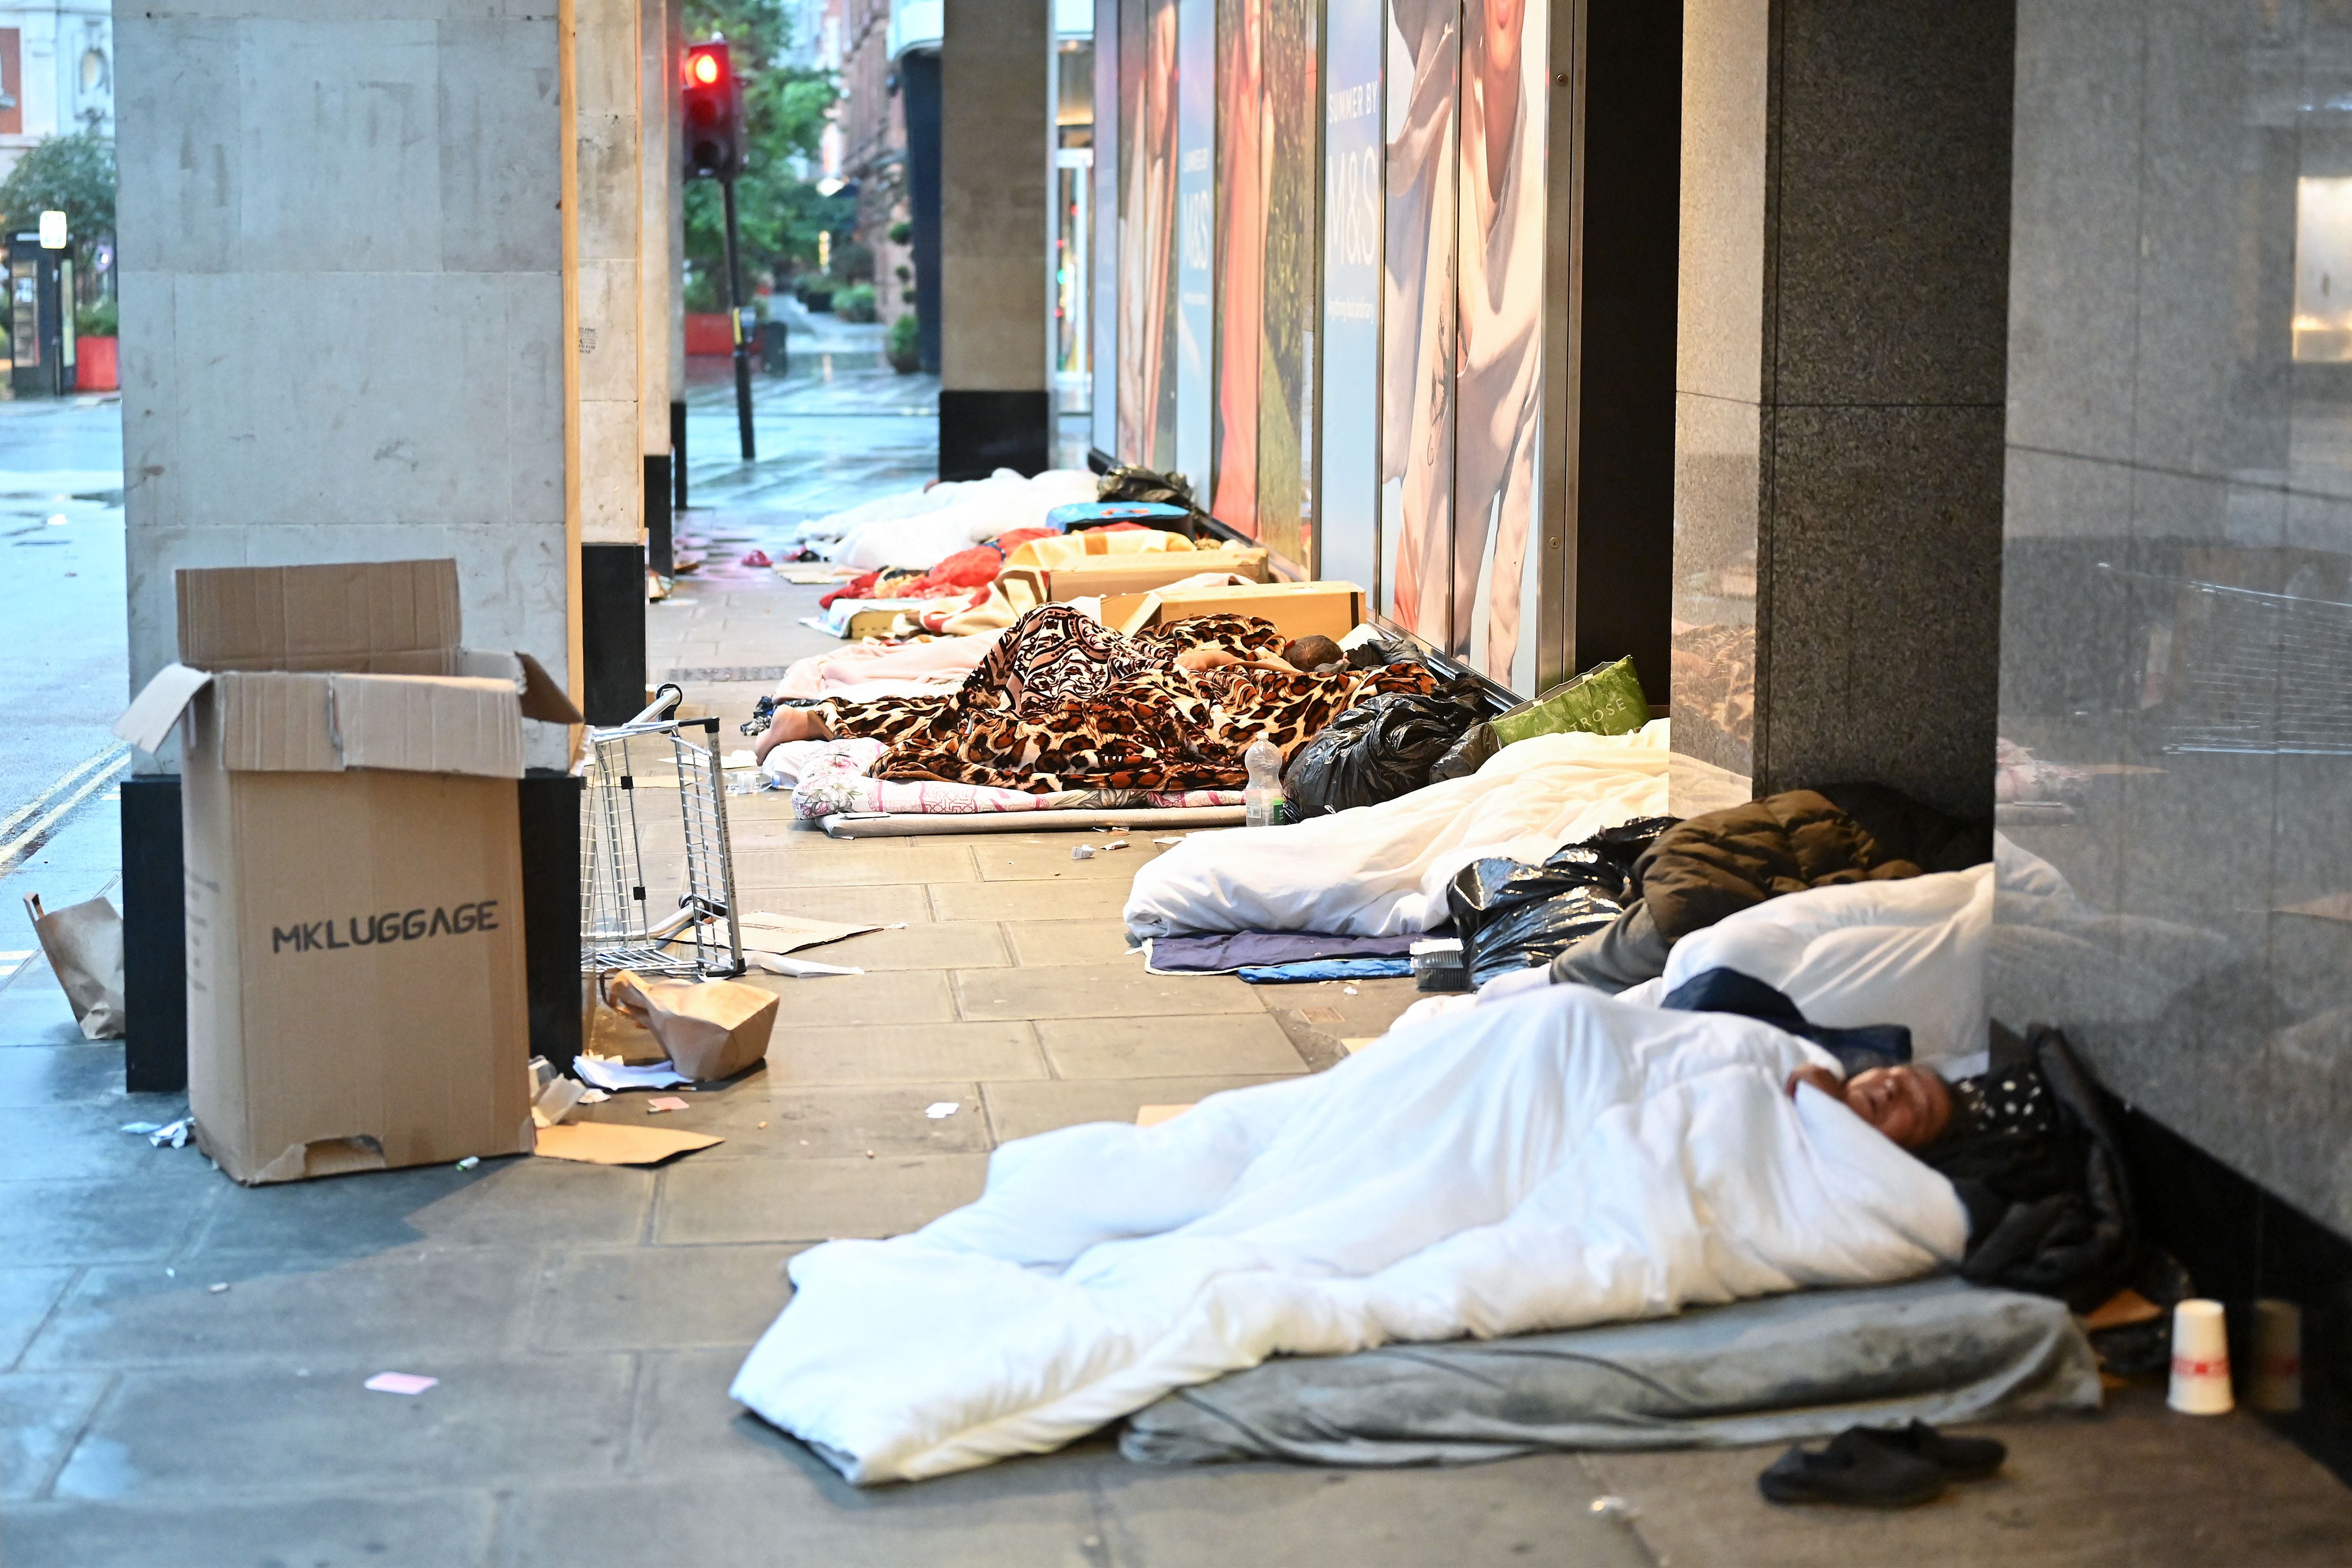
x=1376, y=751
x=1513, y=915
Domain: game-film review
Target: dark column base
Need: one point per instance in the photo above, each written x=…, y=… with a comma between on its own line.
x=678, y=456
x=2240, y=1244
x=550, y=911
x=980, y=432
x=659, y=554
x=613, y=631
x=154, y=936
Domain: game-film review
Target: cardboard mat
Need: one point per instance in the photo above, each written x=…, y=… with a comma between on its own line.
x=1142, y=818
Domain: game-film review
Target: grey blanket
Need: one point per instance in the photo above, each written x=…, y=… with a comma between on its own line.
x=1774, y=1370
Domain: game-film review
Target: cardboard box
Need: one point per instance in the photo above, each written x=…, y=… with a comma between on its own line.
x=354, y=869
x=1297, y=609
x=1122, y=574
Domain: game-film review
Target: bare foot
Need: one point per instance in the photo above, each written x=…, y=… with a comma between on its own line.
x=789, y=724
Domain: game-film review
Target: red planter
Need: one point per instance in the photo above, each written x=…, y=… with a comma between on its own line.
x=707, y=332
x=94, y=364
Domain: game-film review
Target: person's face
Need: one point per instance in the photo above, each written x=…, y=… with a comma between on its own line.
x=1910, y=1104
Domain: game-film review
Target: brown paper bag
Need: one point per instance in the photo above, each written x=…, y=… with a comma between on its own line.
x=607, y=1031
x=713, y=1029
x=84, y=943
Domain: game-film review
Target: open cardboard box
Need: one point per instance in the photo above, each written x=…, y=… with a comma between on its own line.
x=1122, y=574
x=1297, y=609
x=354, y=869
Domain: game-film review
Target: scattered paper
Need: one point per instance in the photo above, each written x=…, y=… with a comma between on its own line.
x=896, y=925
x=593, y=1096
x=218, y=1289
x=1082, y=851
x=606, y=1073
x=1152, y=1115
x=790, y=933
x=611, y=1144
x=140, y=1127
x=1347, y=990
x=665, y=1102
x=944, y=1108
x=796, y=969
x=469, y=1162
x=1116, y=845
x=173, y=1135
x=407, y=1383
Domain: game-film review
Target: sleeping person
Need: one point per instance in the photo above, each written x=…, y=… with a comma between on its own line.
x=1560, y=1159
x=1062, y=702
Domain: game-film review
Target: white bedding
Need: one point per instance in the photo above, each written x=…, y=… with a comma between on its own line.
x=1911, y=951
x=1381, y=869
x=1563, y=1158
x=921, y=529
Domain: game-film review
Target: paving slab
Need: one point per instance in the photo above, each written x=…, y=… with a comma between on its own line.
x=149, y=1215
x=848, y=905
x=861, y=1000
x=1023, y=1110
x=75, y=1141
x=34, y=1011
x=851, y=862
x=505, y=1420
x=380, y=1530
x=2137, y=1486
x=926, y=945
x=1242, y=1044
x=806, y=1056
x=1013, y=857
x=836, y=1124
x=42, y=1414
x=1123, y=990
x=1039, y=942
x=786, y=1520
x=516, y=1201
x=811, y=1200
x=406, y=1305
x=27, y=1296
x=1057, y=898
x=1530, y=1511
x=634, y=1298
x=37, y=1076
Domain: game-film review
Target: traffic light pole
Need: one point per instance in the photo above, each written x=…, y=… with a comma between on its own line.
x=735, y=316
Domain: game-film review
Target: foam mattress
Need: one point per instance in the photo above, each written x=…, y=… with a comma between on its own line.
x=1775, y=1370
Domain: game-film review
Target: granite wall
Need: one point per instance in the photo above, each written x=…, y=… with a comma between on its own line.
x=2177, y=638
x=1842, y=354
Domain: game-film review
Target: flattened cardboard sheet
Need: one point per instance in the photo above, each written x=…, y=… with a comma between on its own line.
x=607, y=1143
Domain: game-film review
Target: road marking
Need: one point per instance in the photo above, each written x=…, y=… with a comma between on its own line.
x=94, y=775
x=72, y=776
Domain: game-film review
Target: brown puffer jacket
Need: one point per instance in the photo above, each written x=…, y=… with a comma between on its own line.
x=1707, y=867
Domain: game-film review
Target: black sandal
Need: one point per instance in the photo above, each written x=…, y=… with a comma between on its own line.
x=1961, y=1458
x=1854, y=1472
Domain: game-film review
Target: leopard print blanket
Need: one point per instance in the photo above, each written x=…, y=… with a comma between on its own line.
x=1065, y=703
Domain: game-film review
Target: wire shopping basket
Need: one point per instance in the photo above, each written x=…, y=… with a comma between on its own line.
x=621, y=927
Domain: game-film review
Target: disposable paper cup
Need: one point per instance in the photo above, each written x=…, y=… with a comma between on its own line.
x=2200, y=1359
x=2278, y=1356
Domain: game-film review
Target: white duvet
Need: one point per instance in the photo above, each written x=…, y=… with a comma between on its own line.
x=1562, y=1158
x=1377, y=871
x=923, y=527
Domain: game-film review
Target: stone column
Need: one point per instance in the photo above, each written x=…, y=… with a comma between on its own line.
x=603, y=303
x=1840, y=387
x=343, y=296
x=658, y=78
x=996, y=139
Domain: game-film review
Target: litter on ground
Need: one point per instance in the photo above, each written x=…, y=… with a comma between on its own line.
x=407, y=1383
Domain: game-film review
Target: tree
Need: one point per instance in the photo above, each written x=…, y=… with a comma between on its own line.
x=72, y=175
x=785, y=110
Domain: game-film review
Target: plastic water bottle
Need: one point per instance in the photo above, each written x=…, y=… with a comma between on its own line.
x=1262, y=802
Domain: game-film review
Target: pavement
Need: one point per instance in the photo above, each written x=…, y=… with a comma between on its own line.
x=182, y=1359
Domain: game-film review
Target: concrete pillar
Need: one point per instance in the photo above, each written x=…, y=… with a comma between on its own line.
x=603, y=302
x=342, y=307
x=657, y=172
x=1840, y=388
x=996, y=139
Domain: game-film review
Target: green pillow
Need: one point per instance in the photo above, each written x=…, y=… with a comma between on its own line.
x=1607, y=699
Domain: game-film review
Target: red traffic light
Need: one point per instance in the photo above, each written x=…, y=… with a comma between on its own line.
x=704, y=65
